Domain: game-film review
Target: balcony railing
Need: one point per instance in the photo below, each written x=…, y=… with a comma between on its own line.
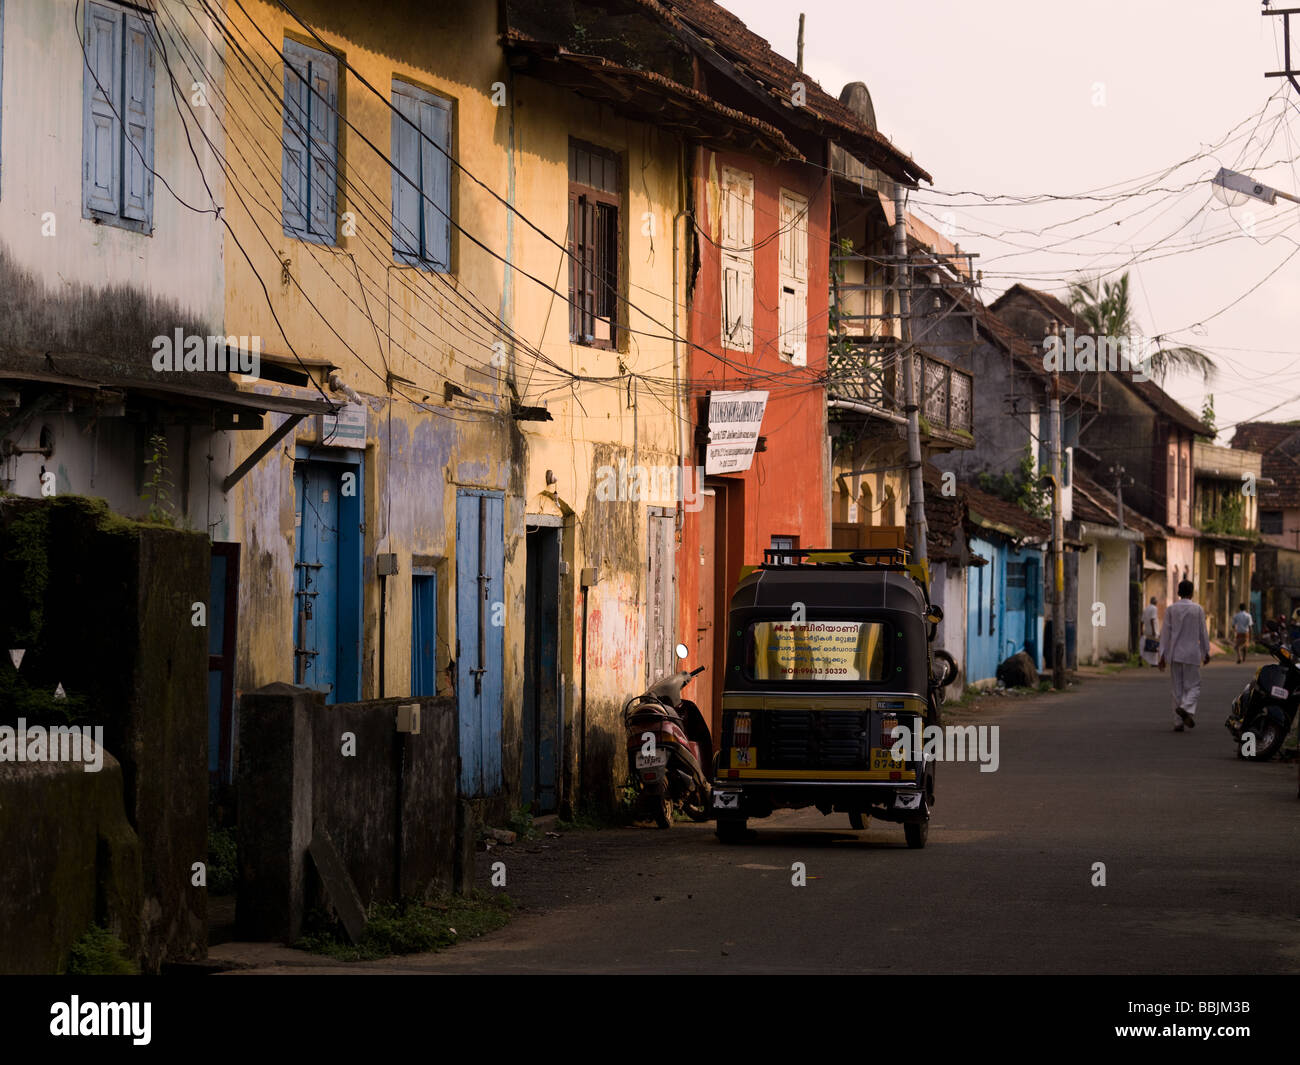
x=867, y=370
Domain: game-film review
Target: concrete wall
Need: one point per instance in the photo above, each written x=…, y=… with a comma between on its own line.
x=1103, y=579
x=948, y=591
x=342, y=771
x=80, y=863
x=118, y=636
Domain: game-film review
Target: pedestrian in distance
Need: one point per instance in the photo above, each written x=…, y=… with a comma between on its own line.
x=1150, y=635
x=1242, y=623
x=1185, y=647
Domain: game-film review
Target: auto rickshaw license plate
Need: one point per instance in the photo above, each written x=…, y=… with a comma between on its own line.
x=884, y=759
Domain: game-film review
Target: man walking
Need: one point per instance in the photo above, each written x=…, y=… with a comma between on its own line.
x=1185, y=645
x=1242, y=623
x=1150, y=636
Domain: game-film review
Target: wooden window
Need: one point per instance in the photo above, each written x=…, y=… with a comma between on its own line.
x=117, y=118
x=737, y=260
x=421, y=154
x=595, y=217
x=309, y=168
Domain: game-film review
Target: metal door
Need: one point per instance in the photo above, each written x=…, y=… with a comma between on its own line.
x=480, y=637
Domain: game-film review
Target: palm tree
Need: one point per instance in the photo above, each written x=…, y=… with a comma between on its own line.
x=1104, y=307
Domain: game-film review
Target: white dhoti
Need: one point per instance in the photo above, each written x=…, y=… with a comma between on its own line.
x=1187, y=686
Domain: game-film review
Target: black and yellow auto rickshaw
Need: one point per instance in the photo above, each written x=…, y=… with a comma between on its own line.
x=828, y=652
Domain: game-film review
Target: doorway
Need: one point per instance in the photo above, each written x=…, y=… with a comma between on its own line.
x=543, y=712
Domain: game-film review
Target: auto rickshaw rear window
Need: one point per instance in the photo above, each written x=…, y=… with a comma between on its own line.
x=815, y=651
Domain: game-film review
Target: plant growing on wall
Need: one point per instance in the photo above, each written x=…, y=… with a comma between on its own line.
x=157, y=484
x=1227, y=517
x=1020, y=486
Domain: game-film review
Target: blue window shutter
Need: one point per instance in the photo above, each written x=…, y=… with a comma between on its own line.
x=137, y=111
x=434, y=167
x=295, y=170
x=102, y=132
x=406, y=179
x=323, y=108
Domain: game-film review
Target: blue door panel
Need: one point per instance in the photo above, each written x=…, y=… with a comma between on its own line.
x=327, y=580
x=480, y=657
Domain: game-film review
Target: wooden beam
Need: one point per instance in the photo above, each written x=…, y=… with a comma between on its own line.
x=286, y=427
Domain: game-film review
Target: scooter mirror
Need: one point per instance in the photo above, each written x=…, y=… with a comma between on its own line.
x=681, y=650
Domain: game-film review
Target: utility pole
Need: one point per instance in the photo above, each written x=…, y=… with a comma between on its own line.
x=1058, y=532
x=1118, y=471
x=798, y=61
x=911, y=404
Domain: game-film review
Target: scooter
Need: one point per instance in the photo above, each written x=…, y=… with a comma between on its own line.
x=669, y=749
x=1262, y=714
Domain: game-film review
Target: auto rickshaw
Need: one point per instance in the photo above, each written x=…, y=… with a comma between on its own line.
x=828, y=653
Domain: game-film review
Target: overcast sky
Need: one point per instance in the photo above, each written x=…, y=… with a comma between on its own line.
x=1025, y=98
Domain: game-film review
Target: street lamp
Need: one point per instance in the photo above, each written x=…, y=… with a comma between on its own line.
x=1233, y=188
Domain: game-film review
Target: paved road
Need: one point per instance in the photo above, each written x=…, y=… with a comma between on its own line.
x=1201, y=853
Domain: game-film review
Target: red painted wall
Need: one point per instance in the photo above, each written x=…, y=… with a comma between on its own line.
x=784, y=493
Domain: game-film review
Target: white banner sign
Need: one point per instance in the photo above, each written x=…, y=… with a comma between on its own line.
x=345, y=429
x=735, y=419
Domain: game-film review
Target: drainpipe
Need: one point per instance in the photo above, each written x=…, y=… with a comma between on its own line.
x=680, y=520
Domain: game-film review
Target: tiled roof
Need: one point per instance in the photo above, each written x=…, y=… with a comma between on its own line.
x=753, y=58
x=1279, y=443
x=1149, y=392
x=997, y=511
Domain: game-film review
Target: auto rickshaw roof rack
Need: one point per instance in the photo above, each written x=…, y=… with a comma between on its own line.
x=890, y=558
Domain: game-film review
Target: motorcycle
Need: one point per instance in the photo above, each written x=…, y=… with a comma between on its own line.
x=1262, y=714
x=669, y=749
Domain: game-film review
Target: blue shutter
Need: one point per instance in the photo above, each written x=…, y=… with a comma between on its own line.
x=323, y=148
x=435, y=146
x=102, y=133
x=424, y=634
x=137, y=148
x=295, y=169
x=406, y=179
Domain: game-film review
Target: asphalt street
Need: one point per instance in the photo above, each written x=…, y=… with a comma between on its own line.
x=1201, y=856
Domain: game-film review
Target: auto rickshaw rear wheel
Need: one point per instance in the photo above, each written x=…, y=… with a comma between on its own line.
x=858, y=821
x=915, y=833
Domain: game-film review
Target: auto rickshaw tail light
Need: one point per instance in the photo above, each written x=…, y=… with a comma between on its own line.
x=740, y=730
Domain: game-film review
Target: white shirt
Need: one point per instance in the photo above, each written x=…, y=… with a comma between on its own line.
x=1184, y=638
x=1242, y=622
x=1149, y=614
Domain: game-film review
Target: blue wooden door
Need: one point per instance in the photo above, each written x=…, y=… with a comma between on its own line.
x=327, y=579
x=424, y=634
x=480, y=638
